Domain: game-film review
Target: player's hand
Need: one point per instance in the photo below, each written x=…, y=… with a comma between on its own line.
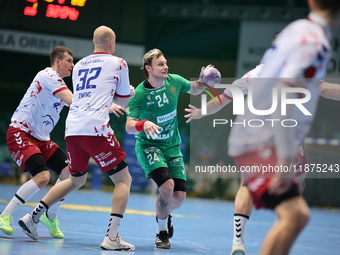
x=194, y=113
x=204, y=67
x=199, y=81
x=151, y=130
x=117, y=110
x=132, y=91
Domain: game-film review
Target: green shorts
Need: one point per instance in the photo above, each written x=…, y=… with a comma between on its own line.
x=151, y=157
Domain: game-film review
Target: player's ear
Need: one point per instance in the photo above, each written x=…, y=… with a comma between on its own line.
x=56, y=61
x=311, y=4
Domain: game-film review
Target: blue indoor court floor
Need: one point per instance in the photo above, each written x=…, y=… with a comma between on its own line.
x=202, y=226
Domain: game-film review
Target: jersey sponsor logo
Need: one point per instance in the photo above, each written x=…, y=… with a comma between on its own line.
x=152, y=149
x=175, y=162
x=48, y=120
x=102, y=156
x=163, y=136
x=150, y=103
x=89, y=61
x=169, y=127
x=89, y=108
x=103, y=163
x=166, y=117
x=157, y=90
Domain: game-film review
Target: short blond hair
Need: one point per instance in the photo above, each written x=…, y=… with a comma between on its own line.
x=149, y=57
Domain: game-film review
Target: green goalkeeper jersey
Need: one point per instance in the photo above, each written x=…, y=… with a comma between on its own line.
x=159, y=105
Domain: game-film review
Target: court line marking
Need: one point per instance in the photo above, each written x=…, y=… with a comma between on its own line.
x=91, y=208
x=193, y=243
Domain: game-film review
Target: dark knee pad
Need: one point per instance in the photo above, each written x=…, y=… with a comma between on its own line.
x=180, y=185
x=36, y=164
x=160, y=175
x=57, y=162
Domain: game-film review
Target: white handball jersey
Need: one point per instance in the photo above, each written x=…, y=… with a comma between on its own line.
x=38, y=111
x=244, y=82
x=299, y=57
x=96, y=78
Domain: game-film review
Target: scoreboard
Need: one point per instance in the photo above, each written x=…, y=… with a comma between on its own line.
x=57, y=9
x=76, y=18
x=37, y=26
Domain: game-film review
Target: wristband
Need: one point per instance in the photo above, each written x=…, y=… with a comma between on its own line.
x=140, y=125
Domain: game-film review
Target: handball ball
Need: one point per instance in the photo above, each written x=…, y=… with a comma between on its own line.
x=210, y=76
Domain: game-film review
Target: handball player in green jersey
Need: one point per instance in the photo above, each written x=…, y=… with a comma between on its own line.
x=152, y=117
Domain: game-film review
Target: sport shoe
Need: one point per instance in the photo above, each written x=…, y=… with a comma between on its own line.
x=238, y=248
x=162, y=240
x=52, y=226
x=170, y=226
x=117, y=244
x=5, y=225
x=29, y=227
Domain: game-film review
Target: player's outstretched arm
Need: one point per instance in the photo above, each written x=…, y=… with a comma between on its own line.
x=330, y=90
x=213, y=106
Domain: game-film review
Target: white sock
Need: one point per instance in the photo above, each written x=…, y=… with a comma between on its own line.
x=240, y=221
x=114, y=224
x=54, y=209
x=161, y=225
x=24, y=193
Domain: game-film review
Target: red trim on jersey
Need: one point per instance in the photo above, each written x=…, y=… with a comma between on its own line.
x=227, y=97
x=58, y=90
x=122, y=95
x=99, y=53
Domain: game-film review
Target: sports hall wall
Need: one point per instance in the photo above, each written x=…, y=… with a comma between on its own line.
x=191, y=34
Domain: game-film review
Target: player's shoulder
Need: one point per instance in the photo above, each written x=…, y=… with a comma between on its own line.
x=174, y=77
x=121, y=62
x=47, y=71
x=303, y=31
x=47, y=74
